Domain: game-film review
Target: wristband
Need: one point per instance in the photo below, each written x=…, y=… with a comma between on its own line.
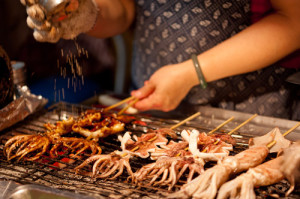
x=201, y=78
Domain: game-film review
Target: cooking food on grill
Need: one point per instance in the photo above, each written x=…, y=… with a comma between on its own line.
x=208, y=147
x=270, y=172
x=291, y=165
x=106, y=165
x=71, y=145
x=207, y=184
x=146, y=143
x=95, y=125
x=32, y=147
x=29, y=147
x=243, y=186
x=173, y=159
x=92, y=124
x=172, y=149
x=166, y=171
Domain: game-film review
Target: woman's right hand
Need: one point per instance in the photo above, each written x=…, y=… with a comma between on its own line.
x=166, y=88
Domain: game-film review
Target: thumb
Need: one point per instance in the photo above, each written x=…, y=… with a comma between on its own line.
x=144, y=92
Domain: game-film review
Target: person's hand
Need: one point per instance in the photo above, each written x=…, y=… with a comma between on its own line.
x=166, y=88
x=79, y=16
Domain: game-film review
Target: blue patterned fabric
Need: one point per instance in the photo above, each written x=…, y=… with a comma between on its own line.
x=169, y=31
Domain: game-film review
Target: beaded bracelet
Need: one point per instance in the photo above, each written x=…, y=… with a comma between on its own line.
x=199, y=71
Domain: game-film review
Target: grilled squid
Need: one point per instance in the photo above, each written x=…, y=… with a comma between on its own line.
x=168, y=170
x=112, y=165
x=92, y=124
x=207, y=184
x=107, y=166
x=291, y=165
x=243, y=186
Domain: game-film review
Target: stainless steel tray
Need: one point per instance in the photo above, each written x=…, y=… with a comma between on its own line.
x=38, y=192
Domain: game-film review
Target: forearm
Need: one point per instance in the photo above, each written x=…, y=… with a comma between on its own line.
x=256, y=47
x=114, y=17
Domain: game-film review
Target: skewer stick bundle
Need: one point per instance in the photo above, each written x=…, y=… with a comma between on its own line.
x=119, y=103
x=238, y=127
x=221, y=125
x=129, y=105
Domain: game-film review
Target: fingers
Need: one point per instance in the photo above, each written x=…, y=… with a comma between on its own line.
x=28, y=2
x=149, y=103
x=38, y=25
x=151, y=99
x=43, y=32
x=145, y=94
x=36, y=12
x=47, y=36
x=145, y=91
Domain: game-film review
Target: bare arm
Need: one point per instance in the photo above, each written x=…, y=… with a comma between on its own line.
x=256, y=47
x=114, y=17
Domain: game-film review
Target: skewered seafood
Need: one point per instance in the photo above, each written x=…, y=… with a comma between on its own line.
x=214, y=149
x=206, y=185
x=106, y=165
x=265, y=174
x=92, y=124
x=73, y=145
x=174, y=156
x=169, y=170
x=29, y=147
x=291, y=165
x=172, y=149
x=147, y=143
x=243, y=185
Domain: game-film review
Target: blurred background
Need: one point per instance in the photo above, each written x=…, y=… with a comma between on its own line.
x=104, y=62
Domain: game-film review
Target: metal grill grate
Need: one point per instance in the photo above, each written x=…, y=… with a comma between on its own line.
x=44, y=172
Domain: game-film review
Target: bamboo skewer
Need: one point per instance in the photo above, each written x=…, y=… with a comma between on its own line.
x=221, y=125
x=129, y=105
x=185, y=120
x=119, y=103
x=286, y=133
x=239, y=126
x=232, y=131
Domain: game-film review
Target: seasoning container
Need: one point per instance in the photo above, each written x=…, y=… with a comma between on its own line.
x=19, y=73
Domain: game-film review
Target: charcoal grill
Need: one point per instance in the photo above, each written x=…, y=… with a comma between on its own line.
x=47, y=174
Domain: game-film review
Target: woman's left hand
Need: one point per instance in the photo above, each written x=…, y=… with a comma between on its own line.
x=166, y=87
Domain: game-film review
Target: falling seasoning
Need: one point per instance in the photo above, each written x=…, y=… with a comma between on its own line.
x=69, y=66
